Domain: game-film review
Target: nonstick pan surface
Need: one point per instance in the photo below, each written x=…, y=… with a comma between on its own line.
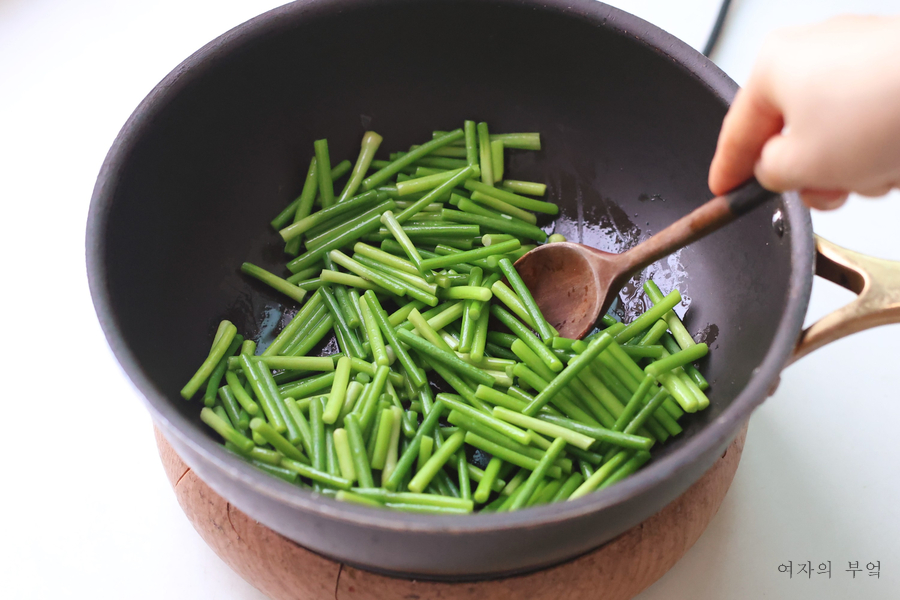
x=628, y=116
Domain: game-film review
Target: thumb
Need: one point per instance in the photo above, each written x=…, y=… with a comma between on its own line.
x=780, y=167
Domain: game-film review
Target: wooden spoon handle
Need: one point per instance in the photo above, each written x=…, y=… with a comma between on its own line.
x=716, y=213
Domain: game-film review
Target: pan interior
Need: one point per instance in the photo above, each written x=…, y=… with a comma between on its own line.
x=627, y=136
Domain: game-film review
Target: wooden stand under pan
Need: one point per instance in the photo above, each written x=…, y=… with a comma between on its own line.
x=619, y=570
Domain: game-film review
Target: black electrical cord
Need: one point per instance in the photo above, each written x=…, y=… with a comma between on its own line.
x=717, y=28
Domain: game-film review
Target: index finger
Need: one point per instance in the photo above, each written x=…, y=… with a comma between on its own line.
x=749, y=124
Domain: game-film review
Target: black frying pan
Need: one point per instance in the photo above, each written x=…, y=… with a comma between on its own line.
x=629, y=116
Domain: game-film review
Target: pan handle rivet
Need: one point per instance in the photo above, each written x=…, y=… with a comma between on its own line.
x=778, y=222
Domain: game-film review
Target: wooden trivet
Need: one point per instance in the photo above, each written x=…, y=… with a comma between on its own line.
x=619, y=570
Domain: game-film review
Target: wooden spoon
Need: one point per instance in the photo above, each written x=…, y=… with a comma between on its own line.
x=574, y=284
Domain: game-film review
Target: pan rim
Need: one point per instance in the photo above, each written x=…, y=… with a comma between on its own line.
x=717, y=433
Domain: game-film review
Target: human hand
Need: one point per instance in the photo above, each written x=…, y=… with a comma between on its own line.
x=820, y=113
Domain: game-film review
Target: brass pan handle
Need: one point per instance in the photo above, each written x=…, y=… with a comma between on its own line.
x=876, y=283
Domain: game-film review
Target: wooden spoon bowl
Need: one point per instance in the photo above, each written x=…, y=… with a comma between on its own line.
x=574, y=284
x=569, y=283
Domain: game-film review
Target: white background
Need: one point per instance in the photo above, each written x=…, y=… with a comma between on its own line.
x=87, y=509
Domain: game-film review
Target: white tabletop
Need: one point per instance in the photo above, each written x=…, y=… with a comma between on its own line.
x=88, y=509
